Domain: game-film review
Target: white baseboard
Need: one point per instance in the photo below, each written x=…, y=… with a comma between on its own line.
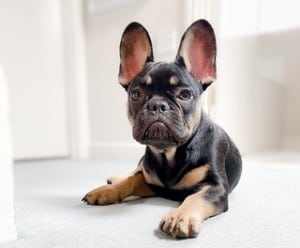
x=116, y=151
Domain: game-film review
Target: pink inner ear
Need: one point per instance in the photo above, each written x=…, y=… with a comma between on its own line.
x=133, y=58
x=198, y=50
x=198, y=62
x=130, y=69
x=135, y=61
x=201, y=65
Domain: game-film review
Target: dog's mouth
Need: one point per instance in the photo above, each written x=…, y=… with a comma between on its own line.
x=162, y=129
x=157, y=133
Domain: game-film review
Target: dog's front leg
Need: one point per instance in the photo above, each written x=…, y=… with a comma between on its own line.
x=185, y=221
x=134, y=185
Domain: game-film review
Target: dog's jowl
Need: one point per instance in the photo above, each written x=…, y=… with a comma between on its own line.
x=188, y=157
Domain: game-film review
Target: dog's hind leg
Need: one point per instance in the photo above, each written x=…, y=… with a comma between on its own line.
x=116, y=179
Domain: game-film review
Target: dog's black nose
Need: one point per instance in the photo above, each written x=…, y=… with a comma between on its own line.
x=157, y=105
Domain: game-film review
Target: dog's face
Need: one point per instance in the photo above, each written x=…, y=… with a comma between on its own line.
x=164, y=105
x=164, y=98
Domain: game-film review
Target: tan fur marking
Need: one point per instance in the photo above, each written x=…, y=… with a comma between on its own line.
x=192, y=177
x=169, y=152
x=197, y=117
x=185, y=221
x=130, y=118
x=156, y=152
x=134, y=185
x=198, y=204
x=143, y=189
x=152, y=179
x=118, y=178
x=148, y=79
x=173, y=80
x=194, y=121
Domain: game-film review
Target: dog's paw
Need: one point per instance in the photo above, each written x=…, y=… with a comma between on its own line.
x=181, y=224
x=102, y=196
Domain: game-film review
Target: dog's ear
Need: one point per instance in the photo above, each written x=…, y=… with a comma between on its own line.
x=197, y=52
x=135, y=51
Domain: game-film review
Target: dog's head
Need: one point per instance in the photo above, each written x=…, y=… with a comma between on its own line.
x=164, y=98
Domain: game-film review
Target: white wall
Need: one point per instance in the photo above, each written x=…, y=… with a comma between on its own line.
x=31, y=52
x=256, y=92
x=110, y=133
x=248, y=106
x=283, y=60
x=7, y=219
x=74, y=51
x=255, y=96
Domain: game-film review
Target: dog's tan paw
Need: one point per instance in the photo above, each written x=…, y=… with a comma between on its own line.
x=102, y=196
x=181, y=224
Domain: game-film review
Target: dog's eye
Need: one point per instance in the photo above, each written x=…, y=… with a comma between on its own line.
x=135, y=95
x=185, y=95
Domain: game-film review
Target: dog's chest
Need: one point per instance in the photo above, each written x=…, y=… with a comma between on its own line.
x=171, y=174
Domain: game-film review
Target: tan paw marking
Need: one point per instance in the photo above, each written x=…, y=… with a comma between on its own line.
x=185, y=221
x=134, y=185
x=102, y=196
x=181, y=224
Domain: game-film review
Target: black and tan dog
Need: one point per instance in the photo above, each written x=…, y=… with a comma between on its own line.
x=188, y=157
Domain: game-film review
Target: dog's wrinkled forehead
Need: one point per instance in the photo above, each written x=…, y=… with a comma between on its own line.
x=166, y=75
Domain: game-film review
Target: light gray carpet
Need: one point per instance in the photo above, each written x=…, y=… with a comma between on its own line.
x=264, y=209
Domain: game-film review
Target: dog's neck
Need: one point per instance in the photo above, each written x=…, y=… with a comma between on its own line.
x=164, y=155
x=167, y=156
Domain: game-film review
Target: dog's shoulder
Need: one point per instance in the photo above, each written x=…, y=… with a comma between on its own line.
x=210, y=139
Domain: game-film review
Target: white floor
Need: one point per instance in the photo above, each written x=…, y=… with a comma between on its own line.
x=264, y=210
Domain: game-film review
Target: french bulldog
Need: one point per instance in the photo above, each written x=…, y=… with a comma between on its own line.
x=188, y=158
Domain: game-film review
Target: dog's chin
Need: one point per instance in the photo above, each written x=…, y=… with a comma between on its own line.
x=159, y=136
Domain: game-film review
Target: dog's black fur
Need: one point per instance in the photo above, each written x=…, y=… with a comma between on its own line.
x=206, y=144
x=164, y=109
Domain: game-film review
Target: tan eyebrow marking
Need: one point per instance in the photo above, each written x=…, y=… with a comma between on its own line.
x=148, y=79
x=173, y=80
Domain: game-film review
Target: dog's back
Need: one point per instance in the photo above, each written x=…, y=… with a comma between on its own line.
x=233, y=165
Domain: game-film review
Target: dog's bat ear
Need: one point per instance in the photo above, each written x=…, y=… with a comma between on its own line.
x=135, y=51
x=197, y=52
